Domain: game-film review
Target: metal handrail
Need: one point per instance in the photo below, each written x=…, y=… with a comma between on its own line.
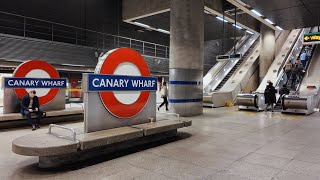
x=178, y=115
x=62, y=127
x=74, y=35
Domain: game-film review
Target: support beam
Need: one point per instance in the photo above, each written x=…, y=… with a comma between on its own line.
x=186, y=57
x=267, y=50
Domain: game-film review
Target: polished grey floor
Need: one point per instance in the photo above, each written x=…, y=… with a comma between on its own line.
x=223, y=143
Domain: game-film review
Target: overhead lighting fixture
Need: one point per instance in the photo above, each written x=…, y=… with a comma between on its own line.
x=278, y=27
x=256, y=12
x=270, y=22
x=164, y=31
x=249, y=32
x=239, y=27
x=221, y=19
x=141, y=24
x=75, y=65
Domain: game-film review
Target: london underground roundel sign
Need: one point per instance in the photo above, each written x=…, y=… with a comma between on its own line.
x=36, y=74
x=124, y=82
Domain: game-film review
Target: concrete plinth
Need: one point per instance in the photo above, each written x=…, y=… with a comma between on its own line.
x=267, y=49
x=186, y=56
x=71, y=158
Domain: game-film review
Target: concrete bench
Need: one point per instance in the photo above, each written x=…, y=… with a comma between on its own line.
x=52, y=150
x=18, y=116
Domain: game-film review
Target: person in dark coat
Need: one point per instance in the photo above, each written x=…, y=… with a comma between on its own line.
x=283, y=91
x=30, y=104
x=270, y=95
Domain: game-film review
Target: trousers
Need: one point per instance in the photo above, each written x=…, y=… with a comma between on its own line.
x=28, y=114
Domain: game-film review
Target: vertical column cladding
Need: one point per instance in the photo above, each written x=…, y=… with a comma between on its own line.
x=186, y=56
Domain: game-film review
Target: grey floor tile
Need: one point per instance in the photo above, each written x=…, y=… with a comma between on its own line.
x=266, y=160
x=287, y=175
x=251, y=171
x=303, y=167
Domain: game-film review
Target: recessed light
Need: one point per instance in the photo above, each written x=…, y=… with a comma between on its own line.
x=141, y=24
x=278, y=27
x=269, y=21
x=221, y=19
x=256, y=12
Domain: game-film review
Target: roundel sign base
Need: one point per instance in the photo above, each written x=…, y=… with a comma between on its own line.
x=110, y=63
x=121, y=91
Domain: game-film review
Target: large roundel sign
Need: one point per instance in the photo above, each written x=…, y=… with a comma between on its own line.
x=123, y=80
x=36, y=75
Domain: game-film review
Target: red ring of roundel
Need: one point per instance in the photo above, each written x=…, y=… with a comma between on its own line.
x=108, y=99
x=24, y=68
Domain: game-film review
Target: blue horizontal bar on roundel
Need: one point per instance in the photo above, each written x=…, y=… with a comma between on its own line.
x=13, y=82
x=184, y=100
x=185, y=82
x=103, y=82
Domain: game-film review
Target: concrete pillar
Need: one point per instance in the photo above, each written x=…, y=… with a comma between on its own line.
x=267, y=49
x=186, y=57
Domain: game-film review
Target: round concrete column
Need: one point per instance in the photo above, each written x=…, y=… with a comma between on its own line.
x=267, y=50
x=186, y=56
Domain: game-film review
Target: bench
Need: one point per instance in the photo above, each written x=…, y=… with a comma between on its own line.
x=63, y=147
x=16, y=119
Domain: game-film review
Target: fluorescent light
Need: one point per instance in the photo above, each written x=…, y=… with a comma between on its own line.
x=164, y=31
x=278, y=27
x=141, y=24
x=239, y=27
x=268, y=20
x=249, y=32
x=76, y=65
x=221, y=19
x=256, y=12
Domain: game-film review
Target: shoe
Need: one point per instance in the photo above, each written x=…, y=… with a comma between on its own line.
x=167, y=109
x=158, y=108
x=37, y=126
x=33, y=127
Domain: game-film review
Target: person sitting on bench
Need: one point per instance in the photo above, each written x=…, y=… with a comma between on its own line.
x=30, y=104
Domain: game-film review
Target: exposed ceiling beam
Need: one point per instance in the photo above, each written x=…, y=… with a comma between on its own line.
x=244, y=7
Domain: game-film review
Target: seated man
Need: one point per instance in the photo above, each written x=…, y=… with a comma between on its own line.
x=30, y=104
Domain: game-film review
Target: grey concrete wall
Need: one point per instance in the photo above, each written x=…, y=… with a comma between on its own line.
x=280, y=40
x=267, y=50
x=254, y=82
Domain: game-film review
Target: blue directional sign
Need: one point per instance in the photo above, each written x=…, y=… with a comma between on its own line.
x=100, y=82
x=34, y=83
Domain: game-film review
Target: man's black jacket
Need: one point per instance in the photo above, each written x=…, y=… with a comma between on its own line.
x=25, y=101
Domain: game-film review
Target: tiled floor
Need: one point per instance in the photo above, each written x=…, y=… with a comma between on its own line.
x=222, y=143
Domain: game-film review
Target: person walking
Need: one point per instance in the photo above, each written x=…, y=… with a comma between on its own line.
x=283, y=91
x=164, y=95
x=303, y=58
x=270, y=95
x=288, y=71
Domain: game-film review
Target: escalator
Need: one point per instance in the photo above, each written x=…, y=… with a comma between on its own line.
x=236, y=66
x=224, y=74
x=211, y=74
x=305, y=100
x=225, y=67
x=289, y=52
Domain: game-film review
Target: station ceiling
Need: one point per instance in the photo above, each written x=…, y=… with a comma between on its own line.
x=213, y=28
x=289, y=14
